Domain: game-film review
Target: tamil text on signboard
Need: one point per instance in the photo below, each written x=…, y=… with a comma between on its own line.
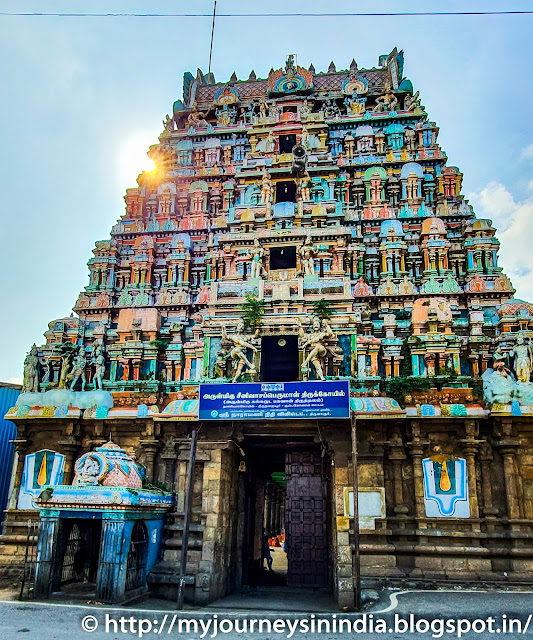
x=245, y=401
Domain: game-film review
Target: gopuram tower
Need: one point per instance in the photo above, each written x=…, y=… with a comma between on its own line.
x=298, y=231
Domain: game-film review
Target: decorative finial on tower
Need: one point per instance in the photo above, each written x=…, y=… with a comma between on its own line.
x=311, y=68
x=353, y=65
x=252, y=75
x=332, y=68
x=233, y=77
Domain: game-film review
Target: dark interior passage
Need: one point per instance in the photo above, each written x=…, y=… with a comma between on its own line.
x=280, y=359
x=286, y=533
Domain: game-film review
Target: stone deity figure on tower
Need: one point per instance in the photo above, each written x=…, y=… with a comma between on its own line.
x=238, y=351
x=99, y=361
x=168, y=124
x=307, y=257
x=411, y=102
x=31, y=371
x=320, y=333
x=266, y=188
x=78, y=369
x=386, y=102
x=303, y=187
x=523, y=359
x=256, y=259
x=304, y=140
x=305, y=109
x=270, y=143
x=196, y=119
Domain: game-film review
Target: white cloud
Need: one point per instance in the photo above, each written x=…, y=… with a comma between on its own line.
x=495, y=202
x=515, y=222
x=527, y=152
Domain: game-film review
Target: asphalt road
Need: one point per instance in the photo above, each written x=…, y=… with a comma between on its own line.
x=398, y=616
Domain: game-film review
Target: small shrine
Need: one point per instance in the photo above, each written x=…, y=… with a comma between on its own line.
x=104, y=531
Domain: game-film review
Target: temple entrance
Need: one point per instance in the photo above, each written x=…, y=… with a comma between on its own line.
x=305, y=521
x=79, y=547
x=280, y=359
x=286, y=531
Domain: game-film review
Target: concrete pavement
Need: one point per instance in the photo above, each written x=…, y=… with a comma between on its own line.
x=390, y=618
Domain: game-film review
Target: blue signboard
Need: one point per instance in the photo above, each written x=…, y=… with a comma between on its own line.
x=275, y=400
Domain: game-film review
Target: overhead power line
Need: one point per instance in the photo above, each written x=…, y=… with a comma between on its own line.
x=259, y=15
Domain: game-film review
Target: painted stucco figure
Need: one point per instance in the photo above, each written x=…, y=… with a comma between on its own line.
x=315, y=342
x=31, y=371
x=241, y=344
x=307, y=257
x=256, y=260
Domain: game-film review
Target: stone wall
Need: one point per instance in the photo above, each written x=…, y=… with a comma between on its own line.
x=495, y=544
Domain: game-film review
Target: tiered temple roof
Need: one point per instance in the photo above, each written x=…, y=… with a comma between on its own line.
x=307, y=191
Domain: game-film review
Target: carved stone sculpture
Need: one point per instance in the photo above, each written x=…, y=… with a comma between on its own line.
x=78, y=369
x=411, y=102
x=498, y=384
x=196, y=119
x=99, y=361
x=270, y=143
x=31, y=371
x=238, y=351
x=315, y=341
x=305, y=109
x=266, y=188
x=523, y=358
x=386, y=102
x=256, y=260
x=307, y=257
x=303, y=187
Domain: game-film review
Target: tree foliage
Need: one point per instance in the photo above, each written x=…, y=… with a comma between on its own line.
x=253, y=310
x=322, y=309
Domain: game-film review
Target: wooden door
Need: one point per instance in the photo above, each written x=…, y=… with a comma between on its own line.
x=306, y=538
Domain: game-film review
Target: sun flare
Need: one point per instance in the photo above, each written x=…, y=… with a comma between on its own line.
x=133, y=159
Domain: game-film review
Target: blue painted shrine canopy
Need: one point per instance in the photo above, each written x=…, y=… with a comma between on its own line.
x=275, y=400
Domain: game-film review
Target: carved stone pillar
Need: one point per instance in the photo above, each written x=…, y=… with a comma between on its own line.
x=168, y=459
x=470, y=447
x=485, y=460
x=397, y=456
x=429, y=359
x=69, y=448
x=268, y=509
x=277, y=518
x=343, y=579
x=416, y=445
x=508, y=446
x=21, y=446
x=150, y=447
x=137, y=364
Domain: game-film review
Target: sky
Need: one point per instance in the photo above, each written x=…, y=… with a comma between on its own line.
x=83, y=98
